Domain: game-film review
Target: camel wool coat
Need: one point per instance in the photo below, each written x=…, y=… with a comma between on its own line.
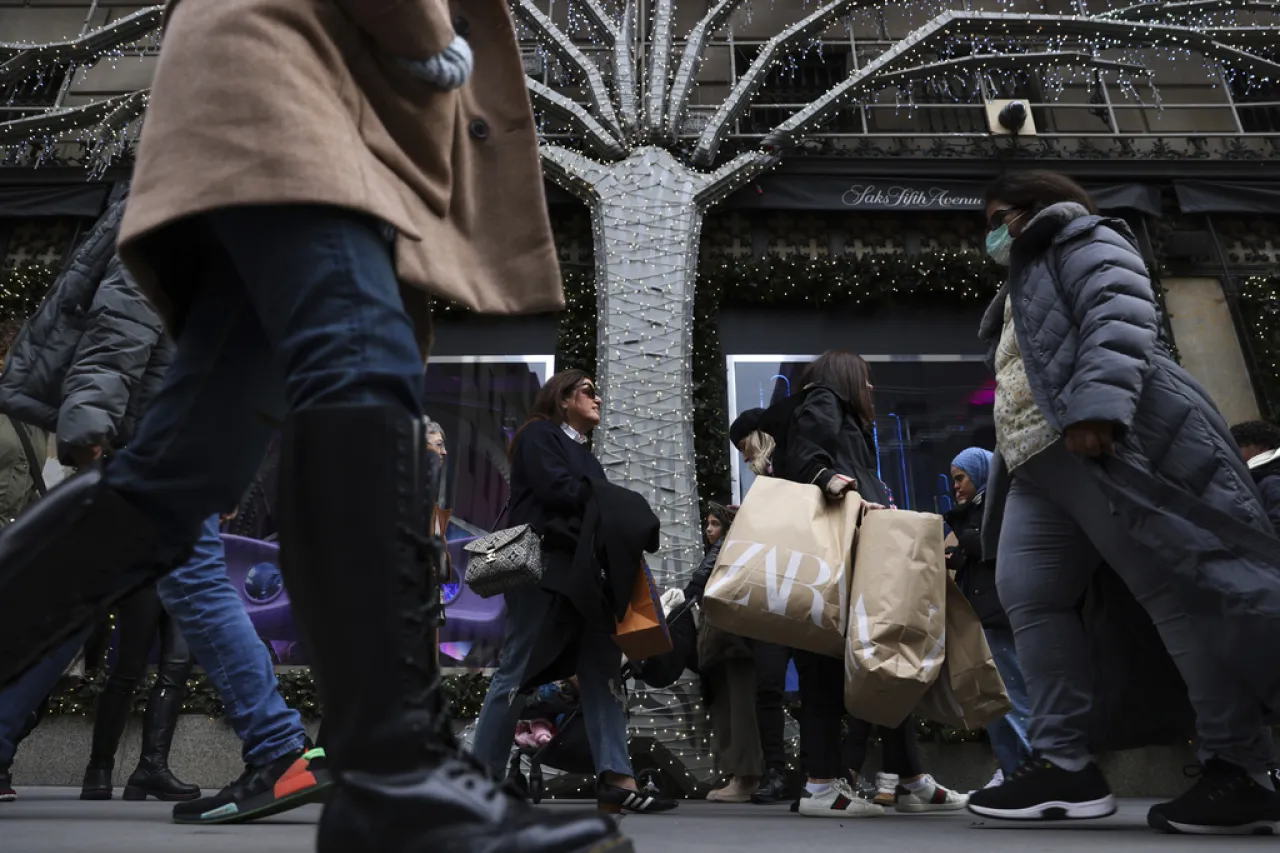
x=259, y=102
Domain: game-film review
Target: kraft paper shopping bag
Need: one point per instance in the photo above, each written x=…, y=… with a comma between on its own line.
x=969, y=693
x=897, y=615
x=783, y=571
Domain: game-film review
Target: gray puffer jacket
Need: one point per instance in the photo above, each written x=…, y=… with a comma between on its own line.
x=1087, y=325
x=91, y=358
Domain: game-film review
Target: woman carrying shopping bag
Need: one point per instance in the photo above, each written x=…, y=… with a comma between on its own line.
x=550, y=468
x=828, y=443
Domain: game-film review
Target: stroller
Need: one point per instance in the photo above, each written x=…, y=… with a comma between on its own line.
x=569, y=750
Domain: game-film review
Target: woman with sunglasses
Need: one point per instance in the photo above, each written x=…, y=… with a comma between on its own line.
x=550, y=466
x=1107, y=450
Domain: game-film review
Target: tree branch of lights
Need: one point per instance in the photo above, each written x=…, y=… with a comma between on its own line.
x=555, y=40
x=23, y=60
x=618, y=37
x=695, y=49
x=595, y=136
x=660, y=49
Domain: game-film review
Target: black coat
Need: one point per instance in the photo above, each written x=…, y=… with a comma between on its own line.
x=825, y=437
x=594, y=537
x=975, y=576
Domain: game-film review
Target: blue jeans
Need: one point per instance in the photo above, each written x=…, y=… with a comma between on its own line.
x=22, y=697
x=1009, y=733
x=292, y=307
x=208, y=610
x=599, y=681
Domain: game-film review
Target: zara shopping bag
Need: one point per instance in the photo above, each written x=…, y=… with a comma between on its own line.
x=643, y=631
x=897, y=615
x=783, y=572
x=969, y=693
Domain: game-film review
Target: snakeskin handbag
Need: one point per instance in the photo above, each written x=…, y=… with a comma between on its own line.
x=504, y=560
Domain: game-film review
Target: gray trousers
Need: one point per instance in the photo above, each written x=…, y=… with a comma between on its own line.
x=733, y=718
x=1058, y=527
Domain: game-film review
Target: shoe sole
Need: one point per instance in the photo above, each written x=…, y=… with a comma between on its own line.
x=925, y=808
x=1261, y=827
x=8, y=798
x=245, y=812
x=139, y=795
x=1053, y=810
x=839, y=813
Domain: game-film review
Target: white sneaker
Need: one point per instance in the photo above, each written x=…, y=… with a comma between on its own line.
x=996, y=781
x=886, y=789
x=838, y=801
x=931, y=798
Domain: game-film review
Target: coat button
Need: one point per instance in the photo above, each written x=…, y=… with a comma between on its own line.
x=479, y=129
x=461, y=26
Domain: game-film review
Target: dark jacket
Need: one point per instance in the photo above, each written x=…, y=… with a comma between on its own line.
x=91, y=358
x=975, y=576
x=1088, y=329
x=825, y=437
x=1266, y=473
x=714, y=645
x=594, y=537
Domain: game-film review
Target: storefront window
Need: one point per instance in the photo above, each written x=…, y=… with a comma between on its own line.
x=928, y=409
x=480, y=401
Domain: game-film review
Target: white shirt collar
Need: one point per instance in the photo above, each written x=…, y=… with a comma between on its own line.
x=573, y=433
x=1263, y=458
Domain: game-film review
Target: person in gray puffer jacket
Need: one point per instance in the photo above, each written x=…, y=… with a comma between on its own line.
x=1107, y=450
x=89, y=361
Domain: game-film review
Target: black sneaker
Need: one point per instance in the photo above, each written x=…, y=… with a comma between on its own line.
x=1040, y=790
x=284, y=784
x=7, y=794
x=613, y=800
x=773, y=789
x=1226, y=801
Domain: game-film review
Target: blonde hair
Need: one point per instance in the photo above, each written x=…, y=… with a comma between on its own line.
x=759, y=445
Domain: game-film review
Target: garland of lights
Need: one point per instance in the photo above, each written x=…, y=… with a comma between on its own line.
x=1260, y=304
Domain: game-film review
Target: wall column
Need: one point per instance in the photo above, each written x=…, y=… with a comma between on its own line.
x=1209, y=346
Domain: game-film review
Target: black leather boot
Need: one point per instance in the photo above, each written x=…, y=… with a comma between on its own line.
x=110, y=717
x=356, y=487
x=65, y=561
x=153, y=778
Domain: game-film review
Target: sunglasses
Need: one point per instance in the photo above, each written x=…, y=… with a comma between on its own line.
x=589, y=391
x=998, y=218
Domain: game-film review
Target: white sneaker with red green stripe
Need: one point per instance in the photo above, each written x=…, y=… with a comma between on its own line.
x=926, y=795
x=838, y=801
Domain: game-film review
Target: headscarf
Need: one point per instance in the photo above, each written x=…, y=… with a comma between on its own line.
x=745, y=424
x=975, y=462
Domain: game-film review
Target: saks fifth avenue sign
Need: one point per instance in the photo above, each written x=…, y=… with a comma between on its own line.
x=912, y=197
x=832, y=192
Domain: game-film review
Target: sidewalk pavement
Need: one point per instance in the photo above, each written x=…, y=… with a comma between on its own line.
x=53, y=820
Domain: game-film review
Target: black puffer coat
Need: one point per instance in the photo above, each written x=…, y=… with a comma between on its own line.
x=1087, y=326
x=825, y=437
x=975, y=576
x=92, y=357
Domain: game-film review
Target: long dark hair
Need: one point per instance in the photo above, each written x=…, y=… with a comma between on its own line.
x=546, y=406
x=847, y=374
x=1036, y=189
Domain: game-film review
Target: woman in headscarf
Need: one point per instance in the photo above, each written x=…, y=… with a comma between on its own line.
x=976, y=578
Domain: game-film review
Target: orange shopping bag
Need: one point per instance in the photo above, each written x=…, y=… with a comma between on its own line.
x=643, y=631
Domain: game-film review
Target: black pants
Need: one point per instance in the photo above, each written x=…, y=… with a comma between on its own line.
x=822, y=709
x=771, y=684
x=138, y=618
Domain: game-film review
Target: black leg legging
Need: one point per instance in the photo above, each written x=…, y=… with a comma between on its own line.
x=771, y=682
x=822, y=707
x=138, y=618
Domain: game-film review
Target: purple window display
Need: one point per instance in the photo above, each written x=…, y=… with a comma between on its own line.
x=479, y=401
